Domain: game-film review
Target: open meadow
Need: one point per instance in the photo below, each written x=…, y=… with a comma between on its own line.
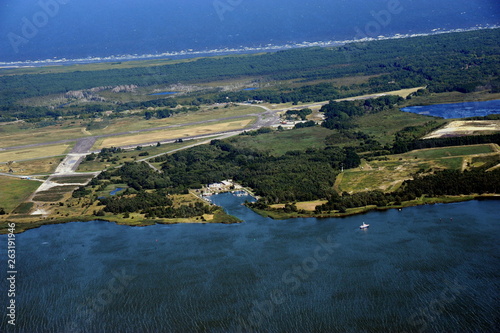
x=388, y=173
x=14, y=191
x=17, y=134
x=383, y=125
x=34, y=153
x=42, y=166
x=168, y=134
x=277, y=143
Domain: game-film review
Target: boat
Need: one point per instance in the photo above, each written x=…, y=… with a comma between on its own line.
x=364, y=226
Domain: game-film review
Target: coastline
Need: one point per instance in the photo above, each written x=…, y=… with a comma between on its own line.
x=24, y=224
x=222, y=217
x=188, y=54
x=280, y=215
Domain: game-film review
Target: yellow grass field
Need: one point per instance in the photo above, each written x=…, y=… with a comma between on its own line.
x=35, y=167
x=34, y=153
x=16, y=137
x=187, y=131
x=209, y=113
x=16, y=134
x=402, y=93
x=309, y=206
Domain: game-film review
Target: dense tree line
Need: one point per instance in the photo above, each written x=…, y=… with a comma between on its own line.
x=135, y=203
x=184, y=211
x=409, y=139
x=339, y=115
x=453, y=182
x=448, y=182
x=310, y=123
x=302, y=114
x=262, y=130
x=406, y=138
x=157, y=103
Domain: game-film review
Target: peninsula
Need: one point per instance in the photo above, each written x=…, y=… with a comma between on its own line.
x=312, y=132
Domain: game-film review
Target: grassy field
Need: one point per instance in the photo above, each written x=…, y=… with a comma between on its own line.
x=451, y=163
x=24, y=208
x=452, y=97
x=25, y=134
x=110, y=188
x=385, y=124
x=14, y=191
x=55, y=194
x=402, y=93
x=489, y=161
x=187, y=131
x=309, y=206
x=44, y=166
x=449, y=152
x=133, y=155
x=20, y=134
x=34, y=153
x=278, y=143
x=135, y=123
x=387, y=175
x=79, y=179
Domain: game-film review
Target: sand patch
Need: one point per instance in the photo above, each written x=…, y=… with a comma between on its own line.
x=466, y=127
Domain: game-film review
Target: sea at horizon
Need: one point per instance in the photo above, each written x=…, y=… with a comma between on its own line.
x=107, y=31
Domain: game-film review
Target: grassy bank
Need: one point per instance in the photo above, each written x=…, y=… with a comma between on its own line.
x=26, y=222
x=281, y=215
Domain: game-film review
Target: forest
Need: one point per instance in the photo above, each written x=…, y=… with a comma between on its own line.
x=295, y=176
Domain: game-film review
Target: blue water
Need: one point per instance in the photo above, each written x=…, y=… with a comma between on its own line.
x=250, y=89
x=116, y=190
x=457, y=110
x=95, y=28
x=414, y=271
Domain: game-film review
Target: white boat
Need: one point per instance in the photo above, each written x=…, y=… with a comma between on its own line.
x=364, y=226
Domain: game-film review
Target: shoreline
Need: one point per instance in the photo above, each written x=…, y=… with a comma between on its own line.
x=228, y=51
x=280, y=215
x=24, y=224
x=224, y=218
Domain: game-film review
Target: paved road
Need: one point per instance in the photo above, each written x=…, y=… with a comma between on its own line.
x=83, y=145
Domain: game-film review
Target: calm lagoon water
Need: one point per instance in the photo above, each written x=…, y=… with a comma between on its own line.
x=428, y=269
x=457, y=110
x=116, y=190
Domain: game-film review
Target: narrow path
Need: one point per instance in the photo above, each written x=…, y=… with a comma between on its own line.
x=338, y=181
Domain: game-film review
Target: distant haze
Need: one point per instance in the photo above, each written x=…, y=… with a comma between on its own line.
x=41, y=29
